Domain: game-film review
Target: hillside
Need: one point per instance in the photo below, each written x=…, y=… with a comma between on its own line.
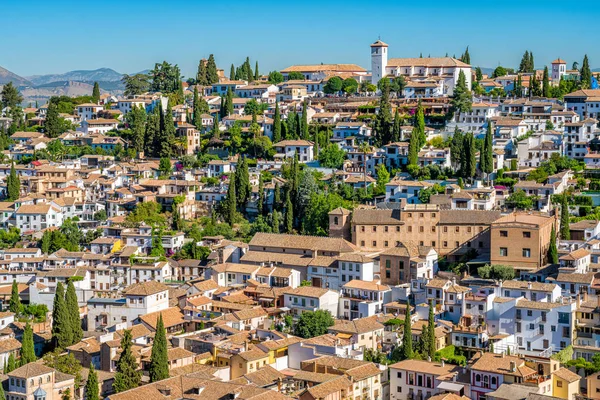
x=68, y=88
x=97, y=75
x=6, y=76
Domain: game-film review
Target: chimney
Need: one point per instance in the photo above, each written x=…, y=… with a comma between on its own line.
x=245, y=346
x=529, y=285
x=578, y=300
x=513, y=366
x=279, y=380
x=454, y=281
x=585, y=296
x=443, y=363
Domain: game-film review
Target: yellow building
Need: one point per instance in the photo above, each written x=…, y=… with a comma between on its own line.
x=565, y=384
x=247, y=361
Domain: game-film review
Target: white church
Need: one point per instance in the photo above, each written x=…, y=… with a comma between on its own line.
x=425, y=77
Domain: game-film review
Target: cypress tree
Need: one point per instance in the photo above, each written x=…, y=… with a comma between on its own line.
x=242, y=184
x=27, y=349
x=531, y=63
x=431, y=328
x=167, y=133
x=127, y=376
x=276, y=124
x=15, y=305
x=305, y=134
x=232, y=73
x=276, y=197
x=211, y=70
x=248, y=70
x=552, y=250
x=92, y=390
x=565, y=233
x=419, y=125
x=229, y=102
x=486, y=162
x=231, y=201
x=256, y=74
x=316, y=146
x=546, y=83
x=201, y=78
x=96, y=93
x=407, y=345
x=289, y=213
x=2, y=394
x=13, y=184
x=61, y=330
x=413, y=148
x=53, y=123
x=152, y=132
x=396, y=130
x=275, y=221
x=586, y=73
x=383, y=120
x=11, y=364
x=215, y=132
x=159, y=361
x=261, y=196
x=469, y=148
x=196, y=107
x=72, y=306
x=298, y=126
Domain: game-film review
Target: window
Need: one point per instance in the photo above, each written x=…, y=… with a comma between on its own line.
x=565, y=332
x=527, y=253
x=503, y=233
x=563, y=318
x=526, y=234
x=558, y=383
x=503, y=252
x=374, y=243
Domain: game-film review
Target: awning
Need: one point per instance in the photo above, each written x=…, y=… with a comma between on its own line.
x=344, y=335
x=450, y=386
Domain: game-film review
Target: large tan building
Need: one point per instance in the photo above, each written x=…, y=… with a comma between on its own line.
x=450, y=233
x=521, y=240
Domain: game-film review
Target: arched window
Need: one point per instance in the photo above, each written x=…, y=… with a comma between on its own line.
x=477, y=378
x=494, y=380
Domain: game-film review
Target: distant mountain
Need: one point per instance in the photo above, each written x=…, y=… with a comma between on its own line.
x=6, y=76
x=97, y=75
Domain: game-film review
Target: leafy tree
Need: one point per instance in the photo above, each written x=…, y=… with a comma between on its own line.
x=66, y=395
x=383, y=122
x=242, y=184
x=295, y=76
x=152, y=132
x=136, y=84
x=159, y=360
x=164, y=166
x=552, y=250
x=397, y=85
x=166, y=135
x=229, y=102
x=92, y=389
x=61, y=328
x=333, y=85
x=383, y=177
x=456, y=148
x=350, y=85
x=54, y=126
x=313, y=323
x=565, y=232
x=275, y=77
x=211, y=70
x=15, y=305
x=136, y=119
x=478, y=74
x=396, y=128
x=253, y=107
x=499, y=71
x=519, y=199
x=261, y=196
x=27, y=349
x=503, y=272
x=96, y=93
x=332, y=156
x=586, y=73
x=526, y=64
x=127, y=376
x=11, y=97
x=201, y=78
x=72, y=306
x=468, y=166
x=13, y=184
x=461, y=99
x=166, y=78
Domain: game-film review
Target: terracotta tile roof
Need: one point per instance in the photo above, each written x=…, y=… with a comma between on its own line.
x=357, y=326
x=536, y=286
x=430, y=62
x=500, y=364
x=171, y=317
x=576, y=278
x=324, y=67
x=567, y=375
x=302, y=242
x=145, y=288
x=31, y=370
x=468, y=217
x=307, y=291
x=330, y=388
x=376, y=217
x=366, y=285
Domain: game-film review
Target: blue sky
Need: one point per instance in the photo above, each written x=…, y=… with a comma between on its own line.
x=41, y=37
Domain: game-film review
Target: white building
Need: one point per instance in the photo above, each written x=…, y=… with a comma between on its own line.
x=308, y=298
x=559, y=68
x=363, y=299
x=290, y=148
x=38, y=217
x=87, y=111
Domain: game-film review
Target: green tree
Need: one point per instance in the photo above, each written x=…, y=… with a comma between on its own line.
x=304, y=121
x=92, y=389
x=350, y=85
x=486, y=162
x=11, y=364
x=466, y=57
x=167, y=132
x=54, y=124
x=289, y=213
x=383, y=122
x=332, y=156
x=295, y=76
x=159, y=360
x=461, y=98
x=13, y=184
x=565, y=232
x=256, y=74
x=478, y=74
x=61, y=328
x=419, y=124
x=519, y=200
x=14, y=304
x=431, y=347
x=406, y=348
x=242, y=184
x=333, y=85
x=11, y=97
x=275, y=77
x=261, y=196
x=313, y=323
x=469, y=165
x=201, y=78
x=152, y=132
x=96, y=93
x=586, y=73
x=72, y=306
x=135, y=84
x=164, y=166
x=27, y=349
x=414, y=148
x=127, y=376
x=136, y=119
x=231, y=202
x=546, y=84
x=277, y=124
x=525, y=65
x=383, y=177
x=499, y=71
x=232, y=73
x=552, y=250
